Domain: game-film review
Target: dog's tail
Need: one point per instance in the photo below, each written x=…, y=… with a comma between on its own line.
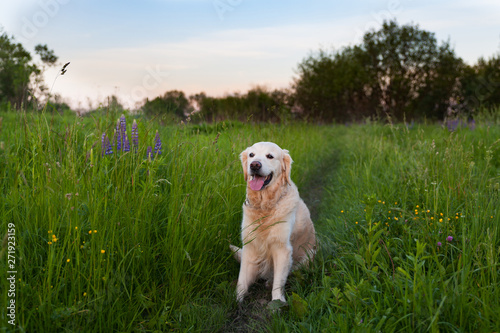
x=236, y=252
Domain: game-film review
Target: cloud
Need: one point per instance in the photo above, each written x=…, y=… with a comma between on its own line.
x=217, y=62
x=231, y=59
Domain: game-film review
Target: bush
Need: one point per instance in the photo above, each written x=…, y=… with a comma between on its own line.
x=257, y=104
x=173, y=104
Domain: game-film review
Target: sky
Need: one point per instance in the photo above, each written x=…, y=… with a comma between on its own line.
x=141, y=49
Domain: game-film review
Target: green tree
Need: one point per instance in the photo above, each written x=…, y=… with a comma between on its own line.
x=414, y=76
x=15, y=71
x=20, y=78
x=334, y=87
x=46, y=55
x=400, y=71
x=481, y=85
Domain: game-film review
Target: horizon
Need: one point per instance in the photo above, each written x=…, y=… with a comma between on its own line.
x=137, y=50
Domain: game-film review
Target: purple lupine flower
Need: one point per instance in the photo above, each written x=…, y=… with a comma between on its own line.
x=103, y=144
x=118, y=136
x=126, y=144
x=109, y=149
x=449, y=238
x=150, y=152
x=135, y=135
x=157, y=143
x=123, y=127
x=439, y=244
x=452, y=124
x=123, y=124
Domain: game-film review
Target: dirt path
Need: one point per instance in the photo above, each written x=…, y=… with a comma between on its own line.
x=312, y=192
x=252, y=315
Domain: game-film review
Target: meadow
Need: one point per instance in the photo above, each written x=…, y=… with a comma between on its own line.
x=137, y=241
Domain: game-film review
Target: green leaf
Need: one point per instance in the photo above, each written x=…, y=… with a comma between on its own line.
x=359, y=259
x=375, y=255
x=405, y=273
x=377, y=235
x=299, y=306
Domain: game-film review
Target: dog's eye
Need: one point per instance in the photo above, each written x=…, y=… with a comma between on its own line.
x=269, y=156
x=251, y=154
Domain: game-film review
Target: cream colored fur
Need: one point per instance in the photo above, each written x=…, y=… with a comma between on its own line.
x=277, y=231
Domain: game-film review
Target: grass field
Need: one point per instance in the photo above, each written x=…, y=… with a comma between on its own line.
x=407, y=219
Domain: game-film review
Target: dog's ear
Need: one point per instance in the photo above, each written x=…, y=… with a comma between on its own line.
x=244, y=158
x=286, y=166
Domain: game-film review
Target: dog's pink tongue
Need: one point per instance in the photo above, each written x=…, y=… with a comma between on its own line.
x=256, y=183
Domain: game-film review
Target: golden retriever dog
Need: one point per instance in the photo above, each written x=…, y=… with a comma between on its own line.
x=277, y=232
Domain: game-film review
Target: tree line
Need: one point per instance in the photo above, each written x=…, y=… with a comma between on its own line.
x=399, y=71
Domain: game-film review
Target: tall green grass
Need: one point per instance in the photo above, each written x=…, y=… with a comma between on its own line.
x=410, y=235
x=407, y=219
x=123, y=242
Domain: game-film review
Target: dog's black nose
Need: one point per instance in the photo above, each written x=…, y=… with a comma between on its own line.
x=255, y=165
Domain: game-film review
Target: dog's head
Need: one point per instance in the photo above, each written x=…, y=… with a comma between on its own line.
x=265, y=164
